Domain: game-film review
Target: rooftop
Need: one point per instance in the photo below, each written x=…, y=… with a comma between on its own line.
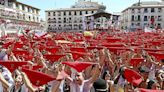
x=27, y=5
x=149, y=3
x=82, y=5
x=146, y=4
x=71, y=9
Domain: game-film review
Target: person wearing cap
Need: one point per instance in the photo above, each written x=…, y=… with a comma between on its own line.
x=153, y=84
x=100, y=85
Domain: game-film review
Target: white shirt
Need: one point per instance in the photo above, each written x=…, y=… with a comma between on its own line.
x=52, y=83
x=3, y=56
x=8, y=77
x=24, y=88
x=85, y=87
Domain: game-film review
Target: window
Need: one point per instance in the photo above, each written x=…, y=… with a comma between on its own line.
x=70, y=13
x=49, y=13
x=54, y=19
x=152, y=19
x=33, y=18
x=132, y=24
x=17, y=6
x=86, y=12
x=10, y=4
x=33, y=11
x=24, y=16
x=29, y=18
x=75, y=13
x=59, y=13
x=133, y=11
x=70, y=19
x=145, y=18
x=23, y=7
x=64, y=20
x=159, y=18
x=2, y=2
x=80, y=12
x=64, y=13
x=139, y=10
x=17, y=15
x=80, y=20
x=37, y=12
x=138, y=24
x=159, y=9
x=159, y=26
x=132, y=17
x=37, y=19
x=54, y=13
x=145, y=24
x=139, y=17
x=152, y=10
x=28, y=9
x=145, y=10
x=59, y=21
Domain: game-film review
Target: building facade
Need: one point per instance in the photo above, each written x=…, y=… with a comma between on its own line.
x=143, y=14
x=71, y=19
x=15, y=15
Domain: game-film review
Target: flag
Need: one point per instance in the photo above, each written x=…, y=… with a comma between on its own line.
x=133, y=77
x=38, y=78
x=12, y=65
x=79, y=66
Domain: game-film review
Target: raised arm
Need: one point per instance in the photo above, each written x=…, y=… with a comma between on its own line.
x=4, y=82
x=27, y=82
x=96, y=74
x=108, y=57
x=55, y=88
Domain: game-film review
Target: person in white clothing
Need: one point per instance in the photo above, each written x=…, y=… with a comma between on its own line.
x=6, y=80
x=79, y=84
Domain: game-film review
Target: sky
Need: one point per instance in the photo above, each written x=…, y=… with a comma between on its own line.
x=112, y=5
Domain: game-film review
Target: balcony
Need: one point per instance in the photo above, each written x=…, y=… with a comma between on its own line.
x=8, y=14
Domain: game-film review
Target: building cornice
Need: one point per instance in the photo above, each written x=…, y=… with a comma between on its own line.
x=27, y=5
x=138, y=7
x=72, y=9
x=135, y=6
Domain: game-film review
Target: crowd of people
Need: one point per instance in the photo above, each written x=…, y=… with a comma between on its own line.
x=94, y=61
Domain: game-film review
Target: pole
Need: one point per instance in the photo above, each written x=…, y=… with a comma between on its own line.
x=139, y=2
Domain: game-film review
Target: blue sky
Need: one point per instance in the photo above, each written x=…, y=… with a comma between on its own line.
x=112, y=5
